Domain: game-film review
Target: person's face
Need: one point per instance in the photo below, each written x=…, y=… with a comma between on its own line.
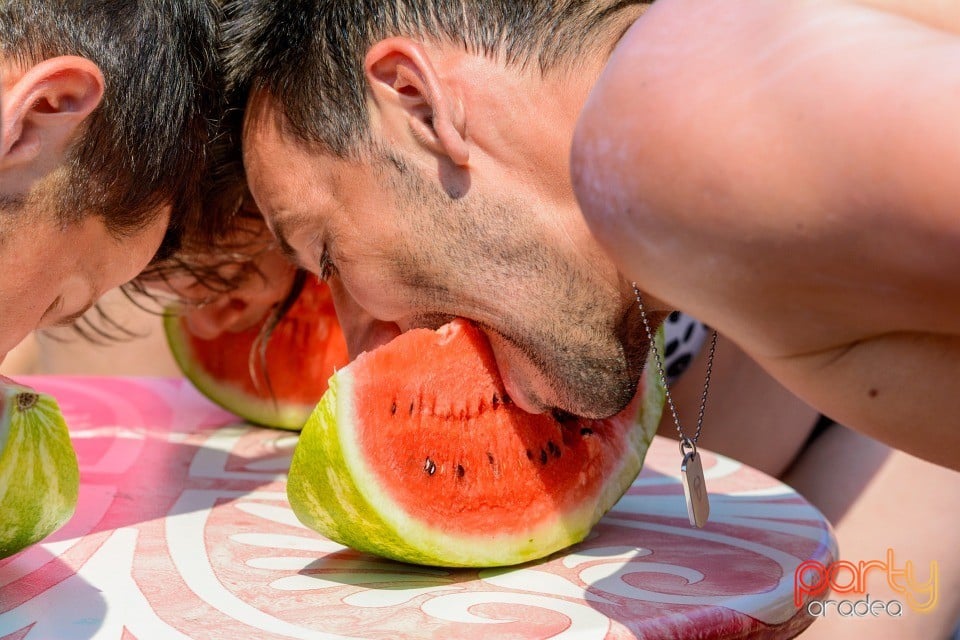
x=51, y=273
x=246, y=286
x=398, y=254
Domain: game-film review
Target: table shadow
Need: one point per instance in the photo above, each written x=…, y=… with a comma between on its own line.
x=51, y=600
x=59, y=604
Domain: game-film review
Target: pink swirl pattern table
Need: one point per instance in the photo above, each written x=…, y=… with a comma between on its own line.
x=183, y=531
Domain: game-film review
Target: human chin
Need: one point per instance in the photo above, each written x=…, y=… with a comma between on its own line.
x=595, y=388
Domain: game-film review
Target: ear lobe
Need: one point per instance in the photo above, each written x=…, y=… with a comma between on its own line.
x=411, y=97
x=44, y=108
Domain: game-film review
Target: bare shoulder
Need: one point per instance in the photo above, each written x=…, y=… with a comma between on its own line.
x=787, y=172
x=809, y=143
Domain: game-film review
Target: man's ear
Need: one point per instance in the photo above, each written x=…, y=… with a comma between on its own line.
x=412, y=99
x=43, y=109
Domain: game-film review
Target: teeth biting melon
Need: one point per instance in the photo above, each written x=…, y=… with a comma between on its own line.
x=39, y=475
x=303, y=351
x=415, y=453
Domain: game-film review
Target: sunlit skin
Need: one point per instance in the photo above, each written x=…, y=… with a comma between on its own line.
x=788, y=174
x=52, y=274
x=52, y=271
x=480, y=222
x=754, y=420
x=242, y=292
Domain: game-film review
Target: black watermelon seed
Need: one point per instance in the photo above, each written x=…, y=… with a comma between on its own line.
x=411, y=407
x=489, y=457
x=495, y=401
x=543, y=456
x=529, y=454
x=554, y=449
x=586, y=431
x=430, y=467
x=460, y=471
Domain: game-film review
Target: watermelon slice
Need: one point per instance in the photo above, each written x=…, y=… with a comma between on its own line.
x=39, y=474
x=303, y=351
x=416, y=453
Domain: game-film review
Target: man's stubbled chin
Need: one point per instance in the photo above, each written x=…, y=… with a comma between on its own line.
x=588, y=387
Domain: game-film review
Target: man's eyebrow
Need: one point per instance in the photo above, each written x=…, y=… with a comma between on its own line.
x=281, y=231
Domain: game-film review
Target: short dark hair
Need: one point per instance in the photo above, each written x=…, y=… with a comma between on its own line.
x=146, y=143
x=308, y=55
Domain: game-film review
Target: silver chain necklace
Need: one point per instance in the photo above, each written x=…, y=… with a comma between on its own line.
x=691, y=469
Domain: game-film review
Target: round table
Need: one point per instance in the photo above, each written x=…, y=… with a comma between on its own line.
x=183, y=531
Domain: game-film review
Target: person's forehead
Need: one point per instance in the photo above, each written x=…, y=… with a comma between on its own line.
x=265, y=124
x=84, y=247
x=290, y=181
x=292, y=206
x=273, y=155
x=131, y=246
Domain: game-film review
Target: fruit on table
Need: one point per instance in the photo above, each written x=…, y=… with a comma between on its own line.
x=302, y=352
x=39, y=475
x=416, y=453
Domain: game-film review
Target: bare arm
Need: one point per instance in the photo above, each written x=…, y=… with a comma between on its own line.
x=789, y=172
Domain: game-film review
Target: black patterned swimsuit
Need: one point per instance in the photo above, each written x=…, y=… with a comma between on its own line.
x=684, y=336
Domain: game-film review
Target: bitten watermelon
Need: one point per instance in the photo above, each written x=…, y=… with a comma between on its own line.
x=416, y=453
x=39, y=475
x=303, y=351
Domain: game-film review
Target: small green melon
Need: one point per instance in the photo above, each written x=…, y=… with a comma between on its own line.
x=39, y=474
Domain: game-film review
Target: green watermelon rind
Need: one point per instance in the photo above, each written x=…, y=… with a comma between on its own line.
x=348, y=506
x=39, y=472
x=268, y=413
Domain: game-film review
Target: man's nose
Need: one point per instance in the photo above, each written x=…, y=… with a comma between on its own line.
x=369, y=335
x=362, y=331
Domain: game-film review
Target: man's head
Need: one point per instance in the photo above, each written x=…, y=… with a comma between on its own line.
x=106, y=110
x=415, y=153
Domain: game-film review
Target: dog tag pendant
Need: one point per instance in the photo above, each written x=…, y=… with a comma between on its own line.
x=695, y=489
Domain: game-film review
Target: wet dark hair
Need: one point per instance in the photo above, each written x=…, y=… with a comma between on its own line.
x=308, y=55
x=146, y=143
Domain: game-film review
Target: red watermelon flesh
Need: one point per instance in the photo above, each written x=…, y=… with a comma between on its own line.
x=416, y=453
x=304, y=350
